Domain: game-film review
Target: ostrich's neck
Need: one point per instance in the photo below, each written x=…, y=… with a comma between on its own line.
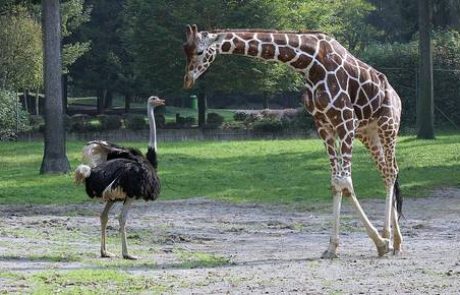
x=153, y=127
x=297, y=50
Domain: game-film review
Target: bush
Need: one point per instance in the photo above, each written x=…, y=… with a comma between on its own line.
x=267, y=125
x=11, y=121
x=160, y=120
x=185, y=121
x=215, y=119
x=109, y=122
x=37, y=123
x=404, y=78
x=80, y=123
x=135, y=122
x=240, y=116
x=234, y=125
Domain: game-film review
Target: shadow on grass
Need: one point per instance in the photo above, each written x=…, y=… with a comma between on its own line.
x=39, y=258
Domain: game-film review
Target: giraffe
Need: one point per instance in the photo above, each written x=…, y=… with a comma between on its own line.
x=347, y=98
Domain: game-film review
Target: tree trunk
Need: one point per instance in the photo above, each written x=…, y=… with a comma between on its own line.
x=100, y=101
x=425, y=104
x=54, y=159
x=202, y=106
x=108, y=99
x=265, y=104
x=37, y=103
x=26, y=100
x=65, y=83
x=127, y=102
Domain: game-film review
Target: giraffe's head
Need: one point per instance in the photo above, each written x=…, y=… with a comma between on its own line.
x=200, y=51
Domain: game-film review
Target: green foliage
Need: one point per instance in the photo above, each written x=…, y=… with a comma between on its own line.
x=109, y=122
x=135, y=122
x=13, y=119
x=21, y=58
x=74, y=14
x=80, y=123
x=37, y=123
x=240, y=116
x=400, y=63
x=215, y=119
x=185, y=122
x=267, y=125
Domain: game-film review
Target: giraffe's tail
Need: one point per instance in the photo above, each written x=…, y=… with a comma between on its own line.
x=398, y=197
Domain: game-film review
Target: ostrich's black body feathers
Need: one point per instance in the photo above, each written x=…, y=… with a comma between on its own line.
x=125, y=174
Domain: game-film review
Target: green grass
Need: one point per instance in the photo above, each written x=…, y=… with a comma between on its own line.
x=282, y=171
x=93, y=281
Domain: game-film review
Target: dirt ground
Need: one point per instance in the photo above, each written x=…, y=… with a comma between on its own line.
x=198, y=246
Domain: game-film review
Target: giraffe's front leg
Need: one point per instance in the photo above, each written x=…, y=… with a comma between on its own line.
x=331, y=251
x=327, y=134
x=344, y=183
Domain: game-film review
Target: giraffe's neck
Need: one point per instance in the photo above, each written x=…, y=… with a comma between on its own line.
x=298, y=50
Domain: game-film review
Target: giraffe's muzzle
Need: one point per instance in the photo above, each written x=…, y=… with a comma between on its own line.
x=188, y=81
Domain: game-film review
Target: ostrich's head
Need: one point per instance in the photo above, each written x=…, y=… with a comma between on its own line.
x=155, y=101
x=200, y=51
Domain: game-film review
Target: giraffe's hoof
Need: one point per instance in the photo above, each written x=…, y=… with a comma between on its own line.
x=107, y=254
x=329, y=255
x=384, y=248
x=397, y=252
x=129, y=257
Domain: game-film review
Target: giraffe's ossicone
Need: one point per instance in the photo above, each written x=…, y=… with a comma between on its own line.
x=346, y=97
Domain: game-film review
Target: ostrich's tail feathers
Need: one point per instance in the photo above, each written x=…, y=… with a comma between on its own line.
x=95, y=152
x=81, y=173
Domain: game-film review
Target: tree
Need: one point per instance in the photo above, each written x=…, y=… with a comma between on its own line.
x=100, y=69
x=54, y=159
x=21, y=62
x=425, y=106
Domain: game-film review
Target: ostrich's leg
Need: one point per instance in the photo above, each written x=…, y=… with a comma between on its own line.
x=104, y=219
x=122, y=220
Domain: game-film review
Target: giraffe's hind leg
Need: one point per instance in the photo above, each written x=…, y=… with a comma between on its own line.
x=381, y=146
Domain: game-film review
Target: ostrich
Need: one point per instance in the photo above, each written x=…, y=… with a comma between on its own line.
x=118, y=174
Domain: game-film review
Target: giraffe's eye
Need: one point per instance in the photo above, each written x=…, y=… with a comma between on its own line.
x=199, y=52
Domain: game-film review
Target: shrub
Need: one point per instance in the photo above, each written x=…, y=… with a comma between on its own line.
x=160, y=120
x=267, y=125
x=215, y=119
x=80, y=123
x=240, y=116
x=135, y=122
x=109, y=122
x=11, y=120
x=37, y=123
x=185, y=121
x=301, y=119
x=234, y=125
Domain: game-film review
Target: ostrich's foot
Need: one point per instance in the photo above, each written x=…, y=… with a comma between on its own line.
x=129, y=257
x=107, y=254
x=384, y=248
x=329, y=255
